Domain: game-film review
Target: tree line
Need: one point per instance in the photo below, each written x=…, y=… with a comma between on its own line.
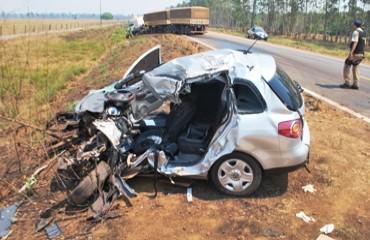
x=288, y=17
x=35, y=15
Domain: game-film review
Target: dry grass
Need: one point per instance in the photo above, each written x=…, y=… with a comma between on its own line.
x=340, y=171
x=34, y=69
x=24, y=26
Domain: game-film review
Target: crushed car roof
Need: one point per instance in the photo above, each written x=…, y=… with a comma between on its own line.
x=168, y=79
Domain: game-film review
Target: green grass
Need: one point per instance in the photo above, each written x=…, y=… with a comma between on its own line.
x=49, y=85
x=71, y=106
x=73, y=71
x=33, y=70
x=118, y=34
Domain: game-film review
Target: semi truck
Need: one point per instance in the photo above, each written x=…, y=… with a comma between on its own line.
x=135, y=25
x=184, y=20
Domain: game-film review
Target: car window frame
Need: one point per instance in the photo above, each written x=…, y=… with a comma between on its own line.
x=256, y=92
x=281, y=90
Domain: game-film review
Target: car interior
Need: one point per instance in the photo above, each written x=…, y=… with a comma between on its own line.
x=189, y=126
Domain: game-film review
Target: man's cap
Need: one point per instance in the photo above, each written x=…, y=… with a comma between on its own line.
x=357, y=23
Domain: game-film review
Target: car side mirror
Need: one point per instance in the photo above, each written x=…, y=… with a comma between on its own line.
x=300, y=89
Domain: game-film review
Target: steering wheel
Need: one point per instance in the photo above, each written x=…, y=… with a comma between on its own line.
x=120, y=96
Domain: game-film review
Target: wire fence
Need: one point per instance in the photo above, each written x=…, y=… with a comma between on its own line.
x=18, y=28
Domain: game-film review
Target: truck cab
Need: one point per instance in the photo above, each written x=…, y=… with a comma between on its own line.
x=135, y=25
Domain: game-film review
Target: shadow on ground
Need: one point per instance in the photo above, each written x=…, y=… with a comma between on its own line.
x=328, y=86
x=271, y=186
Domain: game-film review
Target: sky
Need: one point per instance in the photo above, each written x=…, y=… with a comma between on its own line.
x=125, y=7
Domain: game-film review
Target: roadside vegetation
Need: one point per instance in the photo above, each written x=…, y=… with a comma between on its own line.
x=334, y=49
x=10, y=26
x=34, y=69
x=46, y=74
x=319, y=26
x=331, y=18
x=90, y=59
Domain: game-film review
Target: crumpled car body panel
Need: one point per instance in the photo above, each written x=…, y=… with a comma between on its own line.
x=232, y=109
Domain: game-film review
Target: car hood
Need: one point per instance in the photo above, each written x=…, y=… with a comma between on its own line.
x=262, y=34
x=169, y=79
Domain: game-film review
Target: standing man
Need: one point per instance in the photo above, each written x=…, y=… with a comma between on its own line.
x=355, y=56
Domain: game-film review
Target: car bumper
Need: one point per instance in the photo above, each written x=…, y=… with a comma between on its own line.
x=296, y=157
x=288, y=168
x=261, y=37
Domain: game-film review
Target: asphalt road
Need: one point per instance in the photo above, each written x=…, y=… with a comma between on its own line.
x=318, y=73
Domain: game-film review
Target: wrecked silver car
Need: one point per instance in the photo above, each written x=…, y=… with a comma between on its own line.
x=231, y=117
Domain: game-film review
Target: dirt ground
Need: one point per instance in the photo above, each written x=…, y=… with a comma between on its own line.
x=339, y=170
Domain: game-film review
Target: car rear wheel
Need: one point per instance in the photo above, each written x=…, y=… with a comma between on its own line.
x=236, y=174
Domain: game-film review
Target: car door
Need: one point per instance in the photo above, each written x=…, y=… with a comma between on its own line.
x=95, y=100
x=147, y=61
x=256, y=132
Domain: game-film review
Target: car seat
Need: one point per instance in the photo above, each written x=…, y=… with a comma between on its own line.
x=177, y=120
x=206, y=119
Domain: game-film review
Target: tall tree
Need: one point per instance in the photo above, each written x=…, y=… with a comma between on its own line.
x=254, y=7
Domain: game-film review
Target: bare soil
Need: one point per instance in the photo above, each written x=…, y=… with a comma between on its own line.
x=339, y=170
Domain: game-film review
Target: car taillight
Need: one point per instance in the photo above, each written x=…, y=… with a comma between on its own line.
x=291, y=129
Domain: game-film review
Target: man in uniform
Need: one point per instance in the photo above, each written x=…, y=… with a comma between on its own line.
x=355, y=56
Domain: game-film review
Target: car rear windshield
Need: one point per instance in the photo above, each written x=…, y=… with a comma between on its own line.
x=286, y=89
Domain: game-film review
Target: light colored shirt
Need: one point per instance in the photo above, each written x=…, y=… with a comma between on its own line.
x=356, y=34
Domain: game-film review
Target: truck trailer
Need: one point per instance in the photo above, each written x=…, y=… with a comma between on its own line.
x=184, y=20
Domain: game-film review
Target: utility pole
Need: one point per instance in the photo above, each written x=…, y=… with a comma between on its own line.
x=100, y=13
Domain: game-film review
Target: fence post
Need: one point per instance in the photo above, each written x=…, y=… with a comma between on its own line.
x=1, y=31
x=13, y=29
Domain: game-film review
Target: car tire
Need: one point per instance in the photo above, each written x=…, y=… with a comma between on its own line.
x=81, y=194
x=145, y=141
x=236, y=174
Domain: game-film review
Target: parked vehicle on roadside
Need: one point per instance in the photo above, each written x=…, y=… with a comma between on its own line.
x=257, y=33
x=233, y=118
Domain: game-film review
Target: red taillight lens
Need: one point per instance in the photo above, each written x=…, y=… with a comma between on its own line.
x=291, y=129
